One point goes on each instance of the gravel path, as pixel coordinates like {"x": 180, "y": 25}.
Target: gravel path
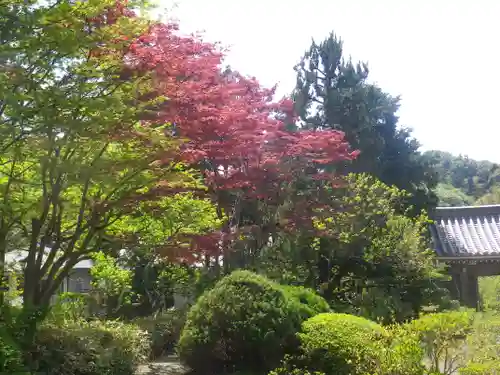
{"x": 165, "y": 366}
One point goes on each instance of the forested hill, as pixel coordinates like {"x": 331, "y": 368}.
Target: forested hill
{"x": 464, "y": 181}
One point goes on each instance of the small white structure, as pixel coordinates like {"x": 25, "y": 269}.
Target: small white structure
{"x": 78, "y": 281}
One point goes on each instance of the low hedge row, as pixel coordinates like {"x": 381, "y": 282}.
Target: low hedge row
{"x": 90, "y": 348}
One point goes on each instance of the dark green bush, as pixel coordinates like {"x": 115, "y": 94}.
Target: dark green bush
{"x": 11, "y": 353}
{"x": 245, "y": 322}
{"x": 308, "y": 302}
{"x": 164, "y": 331}
{"x": 11, "y": 360}
{"x": 341, "y": 344}
{"x": 90, "y": 348}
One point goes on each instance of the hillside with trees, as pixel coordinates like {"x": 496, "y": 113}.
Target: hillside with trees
{"x": 464, "y": 181}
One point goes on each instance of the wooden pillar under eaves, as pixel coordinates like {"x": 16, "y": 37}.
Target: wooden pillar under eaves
{"x": 469, "y": 289}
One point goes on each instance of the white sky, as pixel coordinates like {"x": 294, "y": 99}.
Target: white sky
{"x": 440, "y": 55}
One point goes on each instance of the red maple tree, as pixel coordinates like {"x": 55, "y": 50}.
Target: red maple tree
{"x": 235, "y": 133}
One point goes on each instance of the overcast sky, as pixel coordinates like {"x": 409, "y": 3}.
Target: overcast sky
{"x": 440, "y": 56}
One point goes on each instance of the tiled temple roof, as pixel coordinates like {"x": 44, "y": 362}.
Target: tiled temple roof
{"x": 471, "y": 232}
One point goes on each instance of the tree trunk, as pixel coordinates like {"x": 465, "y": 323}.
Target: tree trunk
{"x": 24, "y": 331}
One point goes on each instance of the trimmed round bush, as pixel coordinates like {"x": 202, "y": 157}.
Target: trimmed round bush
{"x": 341, "y": 344}
{"x": 245, "y": 322}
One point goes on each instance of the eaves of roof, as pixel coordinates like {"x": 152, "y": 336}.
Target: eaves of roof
{"x": 471, "y": 232}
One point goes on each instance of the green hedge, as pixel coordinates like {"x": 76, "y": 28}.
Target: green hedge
{"x": 90, "y": 348}
{"x": 341, "y": 344}
{"x": 307, "y": 301}
{"x": 245, "y": 322}
{"x": 488, "y": 368}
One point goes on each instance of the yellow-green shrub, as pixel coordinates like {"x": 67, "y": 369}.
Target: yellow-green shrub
{"x": 401, "y": 353}
{"x": 483, "y": 347}
{"x": 485, "y": 368}
{"x": 341, "y": 344}
{"x": 443, "y": 338}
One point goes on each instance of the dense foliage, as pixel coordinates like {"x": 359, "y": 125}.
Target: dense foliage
{"x": 454, "y": 342}
{"x": 111, "y": 283}
{"x": 365, "y": 258}
{"x": 164, "y": 330}
{"x": 334, "y": 93}
{"x": 127, "y": 113}
{"x": 489, "y": 291}
{"x": 11, "y": 357}
{"x": 443, "y": 337}
{"x": 345, "y": 344}
{"x": 126, "y": 143}
{"x": 341, "y": 344}
{"x": 93, "y": 348}
{"x": 244, "y": 322}
{"x": 305, "y": 300}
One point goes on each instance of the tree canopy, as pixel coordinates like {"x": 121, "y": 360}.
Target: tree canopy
{"x": 464, "y": 181}
{"x": 106, "y": 116}
{"x": 333, "y": 92}
{"x": 124, "y": 138}
{"x": 130, "y": 147}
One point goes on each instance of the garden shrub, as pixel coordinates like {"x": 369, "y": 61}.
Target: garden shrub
{"x": 341, "y": 344}
{"x": 245, "y": 322}
{"x": 69, "y": 307}
{"x": 443, "y": 337}
{"x": 334, "y": 344}
{"x": 486, "y": 368}
{"x": 90, "y": 348}
{"x": 401, "y": 352}
{"x": 309, "y": 303}
{"x": 164, "y": 330}
{"x": 483, "y": 346}
{"x": 11, "y": 360}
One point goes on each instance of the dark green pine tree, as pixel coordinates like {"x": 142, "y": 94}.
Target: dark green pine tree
{"x": 333, "y": 93}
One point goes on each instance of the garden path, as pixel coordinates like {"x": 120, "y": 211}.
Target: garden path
{"x": 163, "y": 366}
